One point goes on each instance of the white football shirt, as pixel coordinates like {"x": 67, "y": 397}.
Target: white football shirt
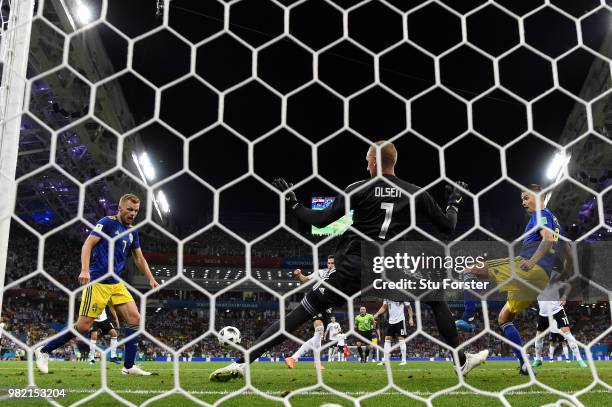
{"x": 549, "y": 299}
{"x": 396, "y": 311}
{"x": 333, "y": 329}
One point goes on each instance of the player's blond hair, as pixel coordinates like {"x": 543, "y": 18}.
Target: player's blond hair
{"x": 388, "y": 153}
{"x": 129, "y": 197}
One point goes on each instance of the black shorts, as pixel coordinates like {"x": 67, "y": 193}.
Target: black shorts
{"x": 560, "y": 316}
{"x": 322, "y": 298}
{"x": 322, "y": 316}
{"x": 365, "y": 334}
{"x": 105, "y": 326}
{"x": 395, "y": 330}
{"x": 557, "y": 338}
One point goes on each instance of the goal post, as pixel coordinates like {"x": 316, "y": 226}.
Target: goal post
{"x": 14, "y": 45}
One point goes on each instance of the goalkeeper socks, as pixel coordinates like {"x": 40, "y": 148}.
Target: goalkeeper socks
{"x": 469, "y": 300}
{"x": 511, "y": 333}
{"x": 360, "y": 351}
{"x": 367, "y": 353}
{"x": 58, "y": 342}
{"x": 403, "y": 349}
{"x": 292, "y": 322}
{"x": 387, "y": 351}
{"x": 446, "y": 326}
{"x": 131, "y": 346}
{"x": 566, "y": 352}
{"x": 113, "y": 344}
{"x": 572, "y": 343}
{"x": 539, "y": 345}
{"x": 92, "y": 350}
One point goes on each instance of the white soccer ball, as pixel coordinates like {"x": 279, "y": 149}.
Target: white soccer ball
{"x": 229, "y": 334}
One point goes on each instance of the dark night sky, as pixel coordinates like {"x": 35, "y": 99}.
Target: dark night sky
{"x": 218, "y": 156}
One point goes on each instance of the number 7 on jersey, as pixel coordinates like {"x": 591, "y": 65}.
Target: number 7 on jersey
{"x": 388, "y": 208}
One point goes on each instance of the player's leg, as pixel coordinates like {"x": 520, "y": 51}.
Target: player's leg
{"x": 552, "y": 346}
{"x": 470, "y": 301}
{"x": 539, "y": 345}
{"x": 127, "y": 310}
{"x": 368, "y": 349}
{"x": 539, "y": 342}
{"x": 311, "y": 344}
{"x": 314, "y": 302}
{"x": 113, "y": 344}
{"x": 386, "y": 349}
{"x": 565, "y": 351}
{"x": 93, "y": 339}
{"x": 565, "y": 331}
{"x": 359, "y": 350}
{"x": 448, "y": 330}
{"x": 402, "y": 345}
{"x": 509, "y": 330}
{"x": 95, "y": 294}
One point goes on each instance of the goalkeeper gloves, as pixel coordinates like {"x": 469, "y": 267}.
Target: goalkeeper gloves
{"x": 454, "y": 195}
{"x": 283, "y": 186}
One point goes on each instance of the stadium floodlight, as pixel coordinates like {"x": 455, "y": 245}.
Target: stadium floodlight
{"x": 83, "y": 13}
{"x": 144, "y": 166}
{"x": 163, "y": 202}
{"x": 556, "y": 165}
{"x": 147, "y": 166}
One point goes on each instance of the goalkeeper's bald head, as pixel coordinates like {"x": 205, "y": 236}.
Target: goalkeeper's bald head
{"x": 388, "y": 158}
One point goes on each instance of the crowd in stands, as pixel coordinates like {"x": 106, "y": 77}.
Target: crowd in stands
{"x": 31, "y": 315}
{"x": 32, "y": 320}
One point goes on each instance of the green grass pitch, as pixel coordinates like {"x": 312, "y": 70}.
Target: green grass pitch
{"x": 355, "y": 379}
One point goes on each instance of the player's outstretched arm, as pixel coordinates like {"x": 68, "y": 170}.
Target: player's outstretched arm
{"x": 380, "y": 311}
{"x": 88, "y": 246}
{"x": 301, "y": 277}
{"x": 142, "y": 265}
{"x": 318, "y": 218}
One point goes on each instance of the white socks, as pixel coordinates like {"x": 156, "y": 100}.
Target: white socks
{"x": 92, "y": 350}
{"x": 311, "y": 344}
{"x": 113, "y": 344}
{"x": 387, "y": 350}
{"x": 565, "y": 352}
{"x": 572, "y": 343}
{"x": 539, "y": 345}
{"x": 551, "y": 352}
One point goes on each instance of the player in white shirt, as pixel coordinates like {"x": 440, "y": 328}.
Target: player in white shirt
{"x": 105, "y": 325}
{"x": 396, "y": 326}
{"x": 319, "y": 320}
{"x": 341, "y": 337}
{"x": 551, "y": 304}
{"x": 333, "y": 329}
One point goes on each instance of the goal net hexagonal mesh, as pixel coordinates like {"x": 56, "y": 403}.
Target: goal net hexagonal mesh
{"x": 197, "y": 106}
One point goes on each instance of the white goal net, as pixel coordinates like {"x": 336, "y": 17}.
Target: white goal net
{"x": 197, "y": 106}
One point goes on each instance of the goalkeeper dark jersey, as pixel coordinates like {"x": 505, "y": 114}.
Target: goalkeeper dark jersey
{"x": 381, "y": 210}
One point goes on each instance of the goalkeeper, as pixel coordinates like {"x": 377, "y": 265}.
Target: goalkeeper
{"x": 381, "y": 211}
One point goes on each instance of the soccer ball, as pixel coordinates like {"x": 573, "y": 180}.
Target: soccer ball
{"x": 229, "y": 334}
